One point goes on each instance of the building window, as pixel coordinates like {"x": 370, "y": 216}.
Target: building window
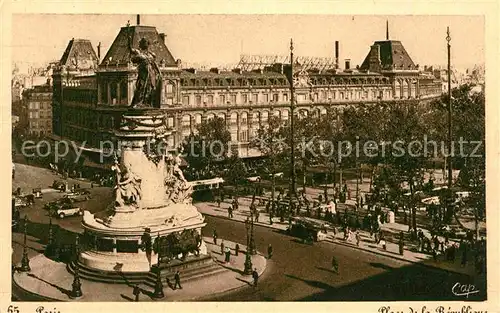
{"x": 169, "y": 88}
{"x": 222, "y": 99}
{"x": 244, "y": 135}
{"x": 198, "y": 100}
{"x": 285, "y": 97}
{"x": 243, "y": 118}
{"x": 255, "y": 98}
{"x": 210, "y": 99}
{"x": 233, "y": 99}
{"x": 114, "y": 93}
{"x": 245, "y": 98}
{"x": 275, "y": 97}
{"x": 123, "y": 93}
{"x": 266, "y": 98}
{"x": 341, "y": 95}
{"x": 185, "y": 100}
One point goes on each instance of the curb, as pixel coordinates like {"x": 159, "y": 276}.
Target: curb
{"x": 358, "y": 248}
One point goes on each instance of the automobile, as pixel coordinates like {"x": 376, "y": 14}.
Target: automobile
{"x": 23, "y": 201}
{"x": 78, "y": 196}
{"x": 67, "y": 210}
{"x": 37, "y": 192}
{"x": 59, "y": 185}
{"x": 253, "y": 179}
{"x": 16, "y": 216}
{"x": 308, "y": 229}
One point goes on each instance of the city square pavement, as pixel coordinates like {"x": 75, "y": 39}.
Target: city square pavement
{"x": 50, "y": 281}
{"x": 297, "y": 271}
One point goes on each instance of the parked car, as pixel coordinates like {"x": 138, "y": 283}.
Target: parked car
{"x": 67, "y": 210}
{"x": 16, "y": 217}
{"x": 23, "y": 201}
{"x": 59, "y": 185}
{"x": 78, "y": 196}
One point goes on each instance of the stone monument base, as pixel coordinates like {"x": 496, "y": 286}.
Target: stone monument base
{"x": 116, "y": 241}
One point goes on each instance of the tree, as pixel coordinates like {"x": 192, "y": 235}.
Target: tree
{"x": 236, "y": 170}
{"x": 405, "y": 126}
{"x": 207, "y": 146}
{"x": 271, "y": 143}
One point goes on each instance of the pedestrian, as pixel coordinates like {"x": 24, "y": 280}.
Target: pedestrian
{"x": 218, "y": 201}
{"x": 136, "y": 292}
{"x": 230, "y": 211}
{"x": 237, "y": 249}
{"x": 271, "y": 217}
{"x": 269, "y": 251}
{"x": 91, "y": 184}
{"x": 228, "y": 255}
{"x": 177, "y": 278}
{"x": 464, "y": 255}
{"x": 255, "y": 276}
{"x": 214, "y": 236}
{"x": 358, "y": 238}
{"x": 147, "y": 244}
{"x": 257, "y": 215}
{"x": 401, "y": 243}
{"x": 335, "y": 265}
{"x": 222, "y": 247}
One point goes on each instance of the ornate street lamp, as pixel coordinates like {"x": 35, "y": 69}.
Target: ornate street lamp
{"x": 292, "y": 129}
{"x": 252, "y": 240}
{"x": 450, "y": 169}
{"x": 49, "y": 249}
{"x": 25, "y": 262}
{"x": 248, "y": 259}
{"x": 76, "y": 290}
{"x": 158, "y": 293}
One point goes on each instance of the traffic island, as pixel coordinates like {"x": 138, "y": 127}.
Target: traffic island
{"x": 49, "y": 280}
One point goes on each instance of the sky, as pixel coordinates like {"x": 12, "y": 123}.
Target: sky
{"x": 221, "y": 39}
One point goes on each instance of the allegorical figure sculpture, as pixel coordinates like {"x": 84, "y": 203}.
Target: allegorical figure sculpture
{"x": 178, "y": 188}
{"x": 127, "y": 188}
{"x": 148, "y": 86}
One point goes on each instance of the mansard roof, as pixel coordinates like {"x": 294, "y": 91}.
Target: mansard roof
{"x": 393, "y": 56}
{"x": 79, "y": 54}
{"x": 119, "y": 51}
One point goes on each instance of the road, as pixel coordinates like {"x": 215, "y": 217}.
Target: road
{"x": 296, "y": 272}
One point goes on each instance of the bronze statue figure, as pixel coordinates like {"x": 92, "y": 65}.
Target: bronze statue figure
{"x": 148, "y": 86}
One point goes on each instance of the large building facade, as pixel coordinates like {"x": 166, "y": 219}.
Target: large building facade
{"x": 90, "y": 98}
{"x": 38, "y": 101}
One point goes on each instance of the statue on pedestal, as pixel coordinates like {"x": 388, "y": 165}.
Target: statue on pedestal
{"x": 127, "y": 188}
{"x": 148, "y": 85}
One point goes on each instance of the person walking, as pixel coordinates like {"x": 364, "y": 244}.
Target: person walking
{"x": 177, "y": 280}
{"x": 214, "y": 236}
{"x": 257, "y": 215}
{"x": 136, "y": 292}
{"x": 228, "y": 255}
{"x": 358, "y": 238}
{"x": 335, "y": 265}
{"x": 147, "y": 244}
{"x": 269, "y": 251}
{"x": 218, "y": 201}
{"x": 222, "y": 247}
{"x": 230, "y": 211}
{"x": 237, "y": 249}
{"x": 401, "y": 243}
{"x": 255, "y": 276}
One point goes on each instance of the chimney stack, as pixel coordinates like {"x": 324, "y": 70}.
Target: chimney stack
{"x": 162, "y": 36}
{"x": 347, "y": 64}
{"x": 99, "y": 52}
{"x": 138, "y": 19}
{"x": 336, "y": 54}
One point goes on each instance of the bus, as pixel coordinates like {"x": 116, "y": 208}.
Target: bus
{"x": 203, "y": 190}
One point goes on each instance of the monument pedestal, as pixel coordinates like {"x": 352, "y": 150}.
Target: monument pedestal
{"x": 152, "y": 203}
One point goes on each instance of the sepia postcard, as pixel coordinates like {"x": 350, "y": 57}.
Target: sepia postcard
{"x": 224, "y": 154}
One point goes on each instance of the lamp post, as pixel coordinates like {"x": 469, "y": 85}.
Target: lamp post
{"x": 252, "y": 240}
{"x": 158, "y": 293}
{"x": 76, "y": 290}
{"x": 248, "y": 259}
{"x": 450, "y": 169}
{"x": 25, "y": 262}
{"x": 292, "y": 126}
